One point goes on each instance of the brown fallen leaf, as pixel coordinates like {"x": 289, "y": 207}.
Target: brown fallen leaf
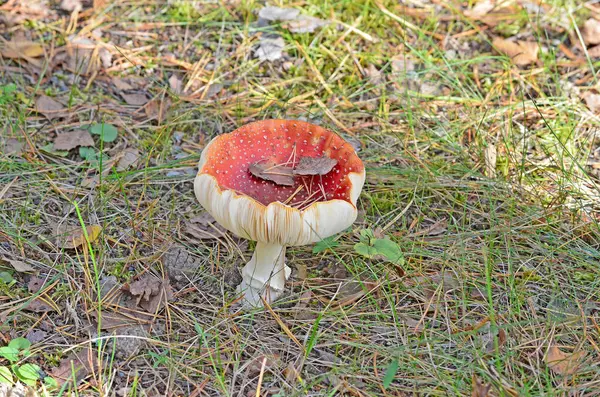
{"x": 592, "y": 101}
{"x": 76, "y": 365}
{"x": 48, "y": 106}
{"x": 72, "y": 139}
{"x": 305, "y": 24}
{"x": 128, "y": 159}
{"x": 157, "y": 109}
{"x": 122, "y": 84}
{"x": 176, "y": 84}
{"x": 85, "y": 56}
{"x": 315, "y": 166}
{"x": 479, "y": 389}
{"x": 21, "y": 49}
{"x": 39, "y": 306}
{"x": 19, "y": 266}
{"x": 135, "y": 99}
{"x": 591, "y": 31}
{"x": 564, "y": 363}
{"x": 71, "y": 5}
{"x": 73, "y": 237}
{"x": 522, "y": 53}
{"x": 269, "y": 171}
{"x": 481, "y": 8}
{"x": 35, "y": 284}
{"x": 12, "y": 147}
{"x": 151, "y": 293}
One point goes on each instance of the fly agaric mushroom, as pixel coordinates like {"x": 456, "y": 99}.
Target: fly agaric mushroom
{"x": 279, "y": 207}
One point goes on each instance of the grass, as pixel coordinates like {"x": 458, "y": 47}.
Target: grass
{"x": 500, "y": 265}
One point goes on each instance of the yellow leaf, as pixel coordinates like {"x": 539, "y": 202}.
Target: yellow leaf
{"x": 22, "y": 49}
{"x": 75, "y": 237}
{"x": 564, "y": 363}
{"x": 520, "y": 52}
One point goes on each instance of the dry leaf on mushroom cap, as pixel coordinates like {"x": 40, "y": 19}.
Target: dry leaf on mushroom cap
{"x": 269, "y": 171}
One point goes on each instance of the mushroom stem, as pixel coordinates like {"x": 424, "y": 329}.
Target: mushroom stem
{"x": 265, "y": 274}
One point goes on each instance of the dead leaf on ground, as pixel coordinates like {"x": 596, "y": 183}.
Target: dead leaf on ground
{"x": 521, "y": 53}
{"x": 35, "y": 284}
{"x": 121, "y": 84}
{"x": 205, "y": 232}
{"x": 72, "y": 237}
{"x": 80, "y": 364}
{"x": 72, "y": 139}
{"x": 128, "y": 159}
{"x": 564, "y": 363}
{"x": 435, "y": 229}
{"x": 592, "y": 101}
{"x": 85, "y": 56}
{"x": 176, "y": 84}
{"x": 269, "y": 48}
{"x": 48, "y": 106}
{"x": 269, "y": 171}
{"x": 19, "y": 266}
{"x": 480, "y": 389}
{"x": 12, "y": 147}
{"x": 271, "y": 13}
{"x": 39, "y": 306}
{"x": 71, "y": 5}
{"x": 151, "y": 293}
{"x": 591, "y": 31}
{"x": 18, "y": 48}
{"x": 315, "y": 166}
{"x": 402, "y": 64}
{"x": 135, "y": 99}
{"x": 305, "y": 24}
{"x": 157, "y": 109}
{"x": 374, "y": 75}
{"x": 481, "y": 8}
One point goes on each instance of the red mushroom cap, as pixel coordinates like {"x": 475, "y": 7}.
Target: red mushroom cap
{"x": 282, "y": 142}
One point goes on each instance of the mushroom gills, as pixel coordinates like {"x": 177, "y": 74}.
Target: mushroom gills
{"x": 265, "y": 274}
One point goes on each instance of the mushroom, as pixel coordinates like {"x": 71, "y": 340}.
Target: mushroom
{"x": 307, "y": 209}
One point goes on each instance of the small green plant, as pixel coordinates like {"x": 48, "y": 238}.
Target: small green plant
{"x": 16, "y": 351}
{"x": 107, "y": 132}
{"x": 324, "y": 245}
{"x": 372, "y": 247}
{"x": 6, "y": 93}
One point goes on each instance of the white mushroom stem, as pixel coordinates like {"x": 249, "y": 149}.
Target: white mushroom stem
{"x": 265, "y": 274}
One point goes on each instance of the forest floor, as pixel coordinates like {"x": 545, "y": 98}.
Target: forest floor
{"x": 477, "y": 123}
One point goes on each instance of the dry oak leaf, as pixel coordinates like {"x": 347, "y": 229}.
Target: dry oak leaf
{"x": 152, "y": 293}
{"x": 48, "y": 106}
{"x": 75, "y": 237}
{"x": 564, "y": 363}
{"x": 72, "y": 139}
{"x": 480, "y": 389}
{"x": 591, "y": 31}
{"x": 315, "y": 166}
{"x": 521, "y": 53}
{"x": 21, "y": 49}
{"x": 269, "y": 171}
